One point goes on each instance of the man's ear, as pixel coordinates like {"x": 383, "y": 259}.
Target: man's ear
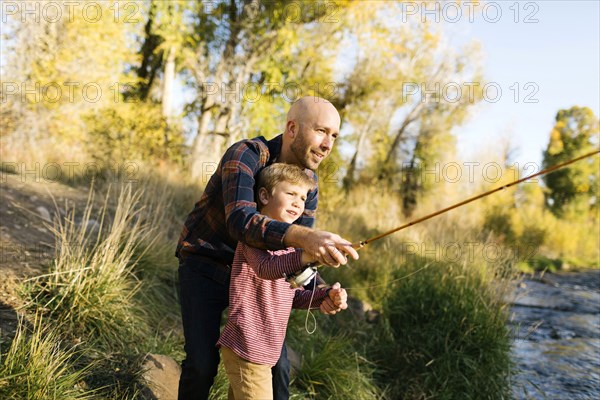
{"x": 291, "y": 128}
{"x": 263, "y": 196}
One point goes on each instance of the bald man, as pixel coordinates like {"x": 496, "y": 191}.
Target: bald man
{"x": 226, "y": 213}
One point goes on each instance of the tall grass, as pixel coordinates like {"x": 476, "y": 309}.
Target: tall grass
{"x": 37, "y": 366}
{"x": 443, "y": 335}
{"x": 89, "y": 290}
{"x": 219, "y": 389}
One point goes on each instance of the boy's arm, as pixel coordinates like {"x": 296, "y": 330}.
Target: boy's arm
{"x": 274, "y": 266}
{"x": 302, "y": 298}
{"x": 335, "y": 296}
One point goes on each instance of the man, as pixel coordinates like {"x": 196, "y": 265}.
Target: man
{"x": 226, "y": 214}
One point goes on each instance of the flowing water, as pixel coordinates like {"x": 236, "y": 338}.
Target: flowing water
{"x": 556, "y": 326}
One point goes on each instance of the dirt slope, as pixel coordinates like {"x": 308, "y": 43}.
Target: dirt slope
{"x": 27, "y": 207}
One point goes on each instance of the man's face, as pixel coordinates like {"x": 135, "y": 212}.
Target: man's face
{"x": 286, "y": 204}
{"x": 314, "y": 139}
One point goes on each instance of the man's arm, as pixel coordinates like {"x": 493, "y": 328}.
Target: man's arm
{"x": 240, "y": 164}
{"x": 325, "y": 247}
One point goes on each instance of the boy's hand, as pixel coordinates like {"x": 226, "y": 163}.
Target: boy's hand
{"x": 336, "y": 301}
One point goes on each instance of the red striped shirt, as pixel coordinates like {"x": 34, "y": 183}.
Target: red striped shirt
{"x": 260, "y": 302}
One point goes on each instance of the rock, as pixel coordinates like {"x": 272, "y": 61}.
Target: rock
{"x": 372, "y": 316}
{"x": 44, "y": 213}
{"x": 161, "y": 374}
{"x": 362, "y": 309}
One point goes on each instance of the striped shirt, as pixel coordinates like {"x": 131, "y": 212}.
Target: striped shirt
{"x": 260, "y": 302}
{"x": 226, "y": 213}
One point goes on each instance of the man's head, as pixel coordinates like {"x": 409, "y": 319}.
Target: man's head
{"x": 282, "y": 190}
{"x": 311, "y": 128}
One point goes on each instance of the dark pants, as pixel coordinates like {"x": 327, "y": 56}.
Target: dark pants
{"x": 204, "y": 294}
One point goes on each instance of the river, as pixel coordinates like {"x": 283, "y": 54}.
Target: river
{"x": 555, "y": 319}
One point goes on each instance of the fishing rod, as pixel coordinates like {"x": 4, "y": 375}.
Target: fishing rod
{"x": 553, "y": 168}
{"x": 304, "y": 276}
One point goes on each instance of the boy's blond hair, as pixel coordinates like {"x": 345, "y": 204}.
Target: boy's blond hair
{"x": 281, "y": 172}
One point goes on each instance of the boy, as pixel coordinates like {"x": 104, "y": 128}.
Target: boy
{"x": 260, "y": 300}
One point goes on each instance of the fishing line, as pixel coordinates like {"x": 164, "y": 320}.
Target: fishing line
{"x": 392, "y": 281}
{"x": 310, "y": 312}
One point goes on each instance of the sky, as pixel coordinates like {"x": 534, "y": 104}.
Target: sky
{"x": 554, "y": 60}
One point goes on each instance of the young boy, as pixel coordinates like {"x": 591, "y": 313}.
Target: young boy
{"x": 260, "y": 300}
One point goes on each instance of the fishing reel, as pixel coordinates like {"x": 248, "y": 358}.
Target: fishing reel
{"x": 302, "y": 277}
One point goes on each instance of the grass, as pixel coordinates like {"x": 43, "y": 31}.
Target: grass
{"x": 444, "y": 335}
{"x": 219, "y": 389}
{"x": 90, "y": 287}
{"x": 441, "y": 334}
{"x": 115, "y": 288}
{"x": 332, "y": 369}
{"x": 112, "y": 283}
{"x": 37, "y": 365}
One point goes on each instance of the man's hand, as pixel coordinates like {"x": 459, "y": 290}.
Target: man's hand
{"x": 321, "y": 246}
{"x": 336, "y": 301}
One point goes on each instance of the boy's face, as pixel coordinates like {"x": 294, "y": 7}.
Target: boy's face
{"x": 286, "y": 204}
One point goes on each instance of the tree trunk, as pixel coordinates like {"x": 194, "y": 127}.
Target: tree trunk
{"x": 349, "y": 179}
{"x": 151, "y": 61}
{"x": 412, "y": 115}
{"x": 169, "y": 78}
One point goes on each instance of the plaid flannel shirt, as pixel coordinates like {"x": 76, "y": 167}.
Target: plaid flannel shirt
{"x": 226, "y": 213}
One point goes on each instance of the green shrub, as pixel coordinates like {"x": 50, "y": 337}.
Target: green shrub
{"x": 332, "y": 368}
{"x": 443, "y": 335}
{"x": 119, "y": 134}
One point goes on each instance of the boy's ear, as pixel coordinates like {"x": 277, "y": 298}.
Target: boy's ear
{"x": 263, "y": 196}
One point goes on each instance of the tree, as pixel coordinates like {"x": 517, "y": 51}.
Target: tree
{"x": 399, "y": 101}
{"x": 243, "y": 45}
{"x": 574, "y": 134}
{"x": 165, "y": 33}
{"x": 65, "y": 68}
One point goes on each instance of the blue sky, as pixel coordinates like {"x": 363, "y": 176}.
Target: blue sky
{"x": 559, "y": 55}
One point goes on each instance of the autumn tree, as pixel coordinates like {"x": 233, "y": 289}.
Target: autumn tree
{"x": 62, "y": 66}
{"x": 66, "y": 73}
{"x": 574, "y": 134}
{"x": 403, "y": 99}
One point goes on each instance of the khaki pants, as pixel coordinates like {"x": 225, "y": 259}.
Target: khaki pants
{"x": 247, "y": 381}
